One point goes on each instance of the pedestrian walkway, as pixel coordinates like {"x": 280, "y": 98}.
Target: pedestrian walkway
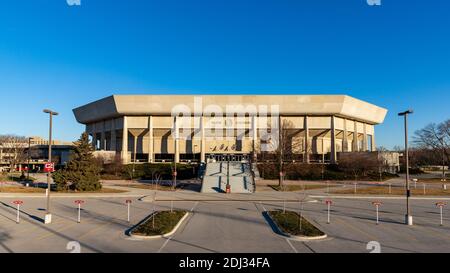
{"x": 237, "y": 174}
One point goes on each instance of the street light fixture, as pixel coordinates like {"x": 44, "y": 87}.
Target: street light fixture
{"x": 48, "y": 215}
{"x": 408, "y": 216}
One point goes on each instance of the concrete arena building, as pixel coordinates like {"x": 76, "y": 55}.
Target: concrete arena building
{"x": 140, "y": 128}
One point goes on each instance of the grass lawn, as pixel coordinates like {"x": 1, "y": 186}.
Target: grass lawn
{"x": 102, "y": 190}
{"x": 289, "y": 222}
{"x": 394, "y": 191}
{"x": 19, "y": 189}
{"x": 164, "y": 222}
{"x": 148, "y": 187}
{"x": 300, "y": 187}
{"x": 430, "y": 180}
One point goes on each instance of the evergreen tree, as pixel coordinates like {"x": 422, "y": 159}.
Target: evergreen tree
{"x": 82, "y": 172}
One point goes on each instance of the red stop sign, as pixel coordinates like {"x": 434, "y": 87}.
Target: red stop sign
{"x": 18, "y": 202}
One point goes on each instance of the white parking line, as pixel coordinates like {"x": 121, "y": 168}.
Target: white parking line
{"x": 262, "y": 206}
{"x": 168, "y": 239}
{"x": 290, "y": 244}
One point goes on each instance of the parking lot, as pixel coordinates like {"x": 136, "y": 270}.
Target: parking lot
{"x": 234, "y": 225}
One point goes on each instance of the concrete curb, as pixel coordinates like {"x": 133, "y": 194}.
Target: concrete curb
{"x": 295, "y": 237}
{"x": 177, "y": 226}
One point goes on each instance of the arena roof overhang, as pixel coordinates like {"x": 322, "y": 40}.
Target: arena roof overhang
{"x": 289, "y": 105}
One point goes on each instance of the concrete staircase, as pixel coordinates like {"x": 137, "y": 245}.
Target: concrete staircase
{"x": 216, "y": 173}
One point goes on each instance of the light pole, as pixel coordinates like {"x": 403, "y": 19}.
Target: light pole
{"x": 408, "y": 216}
{"x": 48, "y": 215}
{"x": 443, "y": 162}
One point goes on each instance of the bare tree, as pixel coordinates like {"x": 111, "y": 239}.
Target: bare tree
{"x": 360, "y": 164}
{"x": 435, "y": 137}
{"x": 13, "y": 149}
{"x": 285, "y": 147}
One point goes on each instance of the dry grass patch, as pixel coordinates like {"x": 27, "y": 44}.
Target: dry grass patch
{"x": 292, "y": 223}
{"x": 378, "y": 190}
{"x": 19, "y": 189}
{"x": 160, "y": 223}
{"x": 300, "y": 187}
{"x": 148, "y": 187}
{"x": 102, "y": 190}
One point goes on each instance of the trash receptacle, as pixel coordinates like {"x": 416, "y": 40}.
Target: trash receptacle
{"x": 228, "y": 188}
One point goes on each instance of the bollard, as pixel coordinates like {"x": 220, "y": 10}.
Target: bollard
{"x": 441, "y": 205}
{"x": 424, "y": 191}
{"x": 18, "y": 203}
{"x": 128, "y": 202}
{"x": 355, "y": 187}
{"x": 377, "y": 204}
{"x": 328, "y": 202}
{"x": 79, "y": 202}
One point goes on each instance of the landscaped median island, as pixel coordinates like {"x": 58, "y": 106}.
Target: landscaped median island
{"x": 161, "y": 223}
{"x": 291, "y": 224}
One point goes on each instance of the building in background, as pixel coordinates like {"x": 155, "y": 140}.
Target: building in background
{"x": 17, "y": 153}
{"x": 143, "y": 128}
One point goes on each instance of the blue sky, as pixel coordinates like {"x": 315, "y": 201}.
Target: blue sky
{"x": 57, "y": 56}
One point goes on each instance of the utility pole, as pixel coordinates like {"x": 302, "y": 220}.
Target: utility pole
{"x": 48, "y": 215}
{"x": 408, "y": 216}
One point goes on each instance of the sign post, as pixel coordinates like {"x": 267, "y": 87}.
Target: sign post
{"x": 377, "y": 204}
{"x": 328, "y": 202}
{"x": 440, "y": 205}
{"x": 18, "y": 203}
{"x": 355, "y": 184}
{"x": 128, "y": 201}
{"x": 79, "y": 202}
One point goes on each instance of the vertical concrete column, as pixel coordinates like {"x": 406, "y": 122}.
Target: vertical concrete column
{"x": 124, "y": 151}
{"x": 345, "y": 140}
{"x": 355, "y": 137}
{"x": 177, "y": 141}
{"x": 103, "y": 138}
{"x": 203, "y": 140}
{"x": 365, "y": 147}
{"x": 306, "y": 141}
{"x": 373, "y": 148}
{"x": 150, "y": 140}
{"x": 94, "y": 136}
{"x": 113, "y": 143}
{"x": 333, "y": 155}
{"x": 254, "y": 136}
{"x": 135, "y": 138}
